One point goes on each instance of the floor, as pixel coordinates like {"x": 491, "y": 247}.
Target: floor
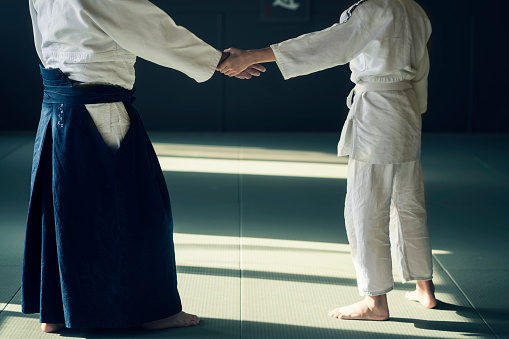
{"x": 261, "y": 246}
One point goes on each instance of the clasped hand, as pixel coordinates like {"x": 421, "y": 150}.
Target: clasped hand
{"x": 239, "y": 64}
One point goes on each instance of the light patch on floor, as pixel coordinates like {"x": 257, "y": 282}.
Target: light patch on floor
{"x": 254, "y": 167}
{"x": 14, "y": 308}
{"x": 242, "y": 152}
{"x": 176, "y": 157}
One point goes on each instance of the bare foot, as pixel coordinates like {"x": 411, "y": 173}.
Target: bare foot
{"x": 424, "y": 293}
{"x": 50, "y": 328}
{"x": 181, "y": 319}
{"x": 371, "y": 308}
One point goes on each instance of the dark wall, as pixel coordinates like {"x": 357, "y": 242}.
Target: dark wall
{"x": 466, "y": 86}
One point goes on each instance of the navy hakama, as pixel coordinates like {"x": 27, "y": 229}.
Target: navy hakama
{"x": 99, "y": 247}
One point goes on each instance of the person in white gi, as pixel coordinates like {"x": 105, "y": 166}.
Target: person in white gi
{"x": 97, "y": 42}
{"x": 385, "y": 43}
{"x": 106, "y": 38}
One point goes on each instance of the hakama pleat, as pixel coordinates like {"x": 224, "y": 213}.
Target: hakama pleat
{"x": 99, "y": 249}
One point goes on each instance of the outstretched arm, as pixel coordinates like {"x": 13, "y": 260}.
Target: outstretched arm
{"x": 145, "y": 30}
{"x": 241, "y": 60}
{"x": 312, "y": 52}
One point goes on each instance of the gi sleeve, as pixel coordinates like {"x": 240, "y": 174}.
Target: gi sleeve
{"x": 145, "y": 30}
{"x": 420, "y": 83}
{"x": 37, "y": 32}
{"x": 316, "y": 51}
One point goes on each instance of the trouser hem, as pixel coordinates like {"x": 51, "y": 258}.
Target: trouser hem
{"x": 415, "y": 279}
{"x": 372, "y": 294}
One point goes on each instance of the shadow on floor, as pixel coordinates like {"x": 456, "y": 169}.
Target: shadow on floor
{"x": 221, "y": 328}
{"x": 472, "y": 328}
{"x": 222, "y": 247}
{"x": 265, "y": 275}
{"x": 228, "y": 272}
{"x": 469, "y": 312}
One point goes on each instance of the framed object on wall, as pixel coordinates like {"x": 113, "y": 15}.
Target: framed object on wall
{"x": 285, "y": 10}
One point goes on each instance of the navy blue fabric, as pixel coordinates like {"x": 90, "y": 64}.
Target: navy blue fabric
{"x": 99, "y": 247}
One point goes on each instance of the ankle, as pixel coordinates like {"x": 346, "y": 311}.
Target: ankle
{"x": 424, "y": 286}
{"x": 377, "y": 301}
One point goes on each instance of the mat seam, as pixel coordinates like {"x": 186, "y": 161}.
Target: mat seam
{"x": 14, "y": 150}
{"x": 239, "y": 197}
{"x": 465, "y": 295}
{"x": 7, "y": 303}
{"x": 488, "y": 166}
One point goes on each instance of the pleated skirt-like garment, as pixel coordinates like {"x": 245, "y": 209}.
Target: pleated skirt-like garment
{"x": 99, "y": 249}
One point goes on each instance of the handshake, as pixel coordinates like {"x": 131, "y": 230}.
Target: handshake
{"x": 244, "y": 64}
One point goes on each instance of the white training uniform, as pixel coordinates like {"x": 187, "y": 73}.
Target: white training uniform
{"x": 97, "y": 42}
{"x": 385, "y": 43}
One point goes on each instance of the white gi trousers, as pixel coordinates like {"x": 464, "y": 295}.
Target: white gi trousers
{"x": 112, "y": 122}
{"x": 385, "y": 205}
{"x": 385, "y": 208}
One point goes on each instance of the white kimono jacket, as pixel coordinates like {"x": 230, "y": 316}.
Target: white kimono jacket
{"x": 97, "y": 41}
{"x": 385, "y": 43}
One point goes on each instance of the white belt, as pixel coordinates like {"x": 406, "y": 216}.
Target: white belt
{"x": 377, "y": 87}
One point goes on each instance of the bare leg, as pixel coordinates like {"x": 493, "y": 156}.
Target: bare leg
{"x": 424, "y": 293}
{"x": 181, "y": 319}
{"x": 371, "y": 308}
{"x": 50, "y": 328}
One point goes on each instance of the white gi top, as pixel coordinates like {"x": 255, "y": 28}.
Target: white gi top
{"x": 97, "y": 41}
{"x": 385, "y": 43}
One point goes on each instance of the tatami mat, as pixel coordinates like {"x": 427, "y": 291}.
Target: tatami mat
{"x": 261, "y": 247}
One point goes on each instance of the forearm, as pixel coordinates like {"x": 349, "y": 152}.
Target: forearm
{"x": 258, "y": 56}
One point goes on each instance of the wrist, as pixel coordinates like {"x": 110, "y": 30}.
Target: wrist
{"x": 224, "y": 56}
{"x": 252, "y": 56}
